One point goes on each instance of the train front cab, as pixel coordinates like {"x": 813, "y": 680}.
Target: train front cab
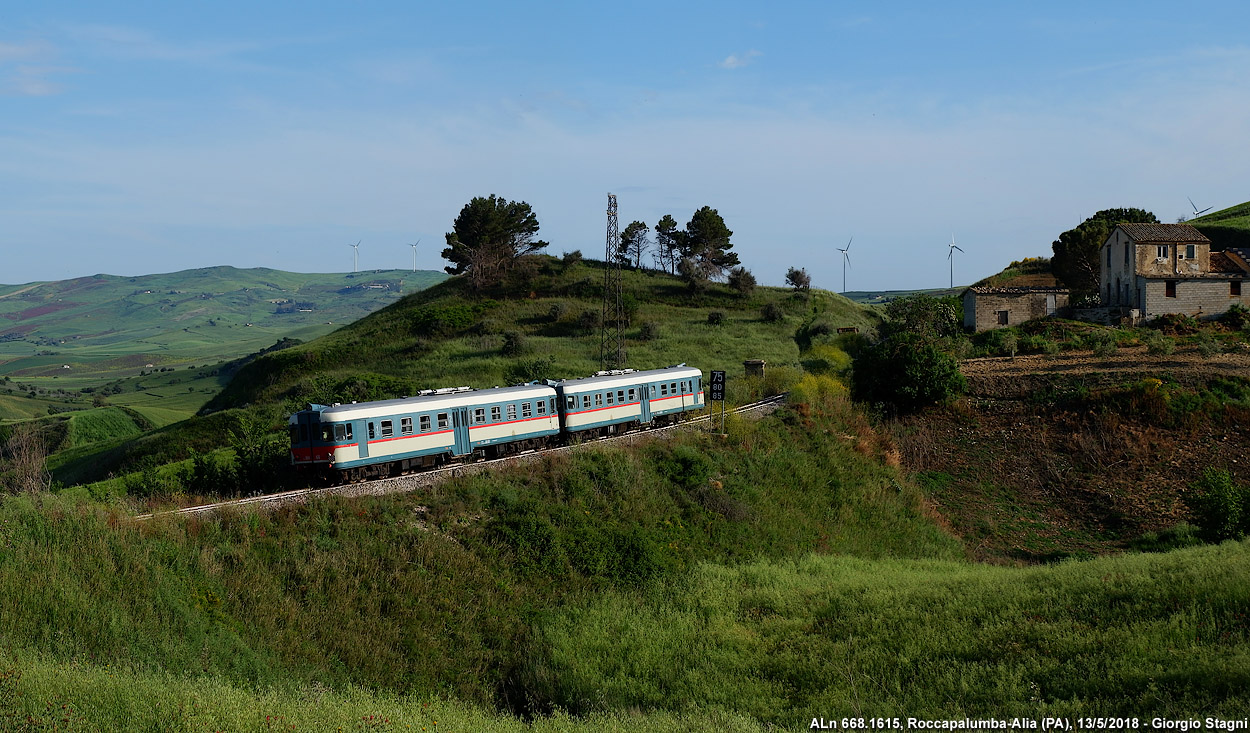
{"x": 310, "y": 446}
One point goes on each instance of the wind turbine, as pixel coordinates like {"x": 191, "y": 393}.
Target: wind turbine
{"x": 414, "y": 254}
{"x": 355, "y": 256}
{"x": 1196, "y": 212}
{"x": 846, "y": 260}
{"x": 950, "y": 255}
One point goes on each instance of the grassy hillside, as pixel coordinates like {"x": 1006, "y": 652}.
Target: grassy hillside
{"x": 1031, "y": 272}
{"x": 105, "y": 326}
{"x": 442, "y": 337}
{"x": 1226, "y": 228}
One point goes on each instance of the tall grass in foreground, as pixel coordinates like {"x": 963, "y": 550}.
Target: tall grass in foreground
{"x": 41, "y": 694}
{"x": 1134, "y": 635}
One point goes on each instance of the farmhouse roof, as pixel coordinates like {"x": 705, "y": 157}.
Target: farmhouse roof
{"x": 1163, "y": 233}
{"x": 1222, "y": 262}
{"x": 986, "y": 290}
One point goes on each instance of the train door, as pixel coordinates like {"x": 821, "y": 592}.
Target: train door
{"x": 460, "y": 424}
{"x": 645, "y": 402}
{"x": 365, "y": 431}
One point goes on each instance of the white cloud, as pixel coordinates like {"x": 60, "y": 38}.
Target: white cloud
{"x": 737, "y": 61}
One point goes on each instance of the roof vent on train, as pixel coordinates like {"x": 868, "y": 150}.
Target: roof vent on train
{"x": 444, "y": 390}
{"x": 614, "y": 372}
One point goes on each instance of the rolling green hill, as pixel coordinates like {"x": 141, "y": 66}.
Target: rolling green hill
{"x": 441, "y": 337}
{"x": 93, "y": 329}
{"x": 1226, "y": 228}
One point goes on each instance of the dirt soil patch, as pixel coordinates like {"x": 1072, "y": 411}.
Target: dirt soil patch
{"x": 1022, "y": 479}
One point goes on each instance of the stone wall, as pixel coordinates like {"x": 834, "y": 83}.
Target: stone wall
{"x": 981, "y": 310}
{"x": 1193, "y": 297}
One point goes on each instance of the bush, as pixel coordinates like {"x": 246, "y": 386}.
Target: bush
{"x": 650, "y": 331}
{"x": 529, "y": 370}
{"x": 1209, "y": 346}
{"x": 906, "y": 373}
{"x": 514, "y": 344}
{"x": 798, "y": 279}
{"x": 1176, "y": 324}
{"x": 1236, "y": 317}
{"x": 1157, "y": 344}
{"x": 1005, "y": 342}
{"x": 558, "y": 311}
{"x": 773, "y": 312}
{"x": 1221, "y": 508}
{"x": 716, "y": 318}
{"x": 741, "y": 281}
{"x": 1102, "y": 343}
{"x": 572, "y": 258}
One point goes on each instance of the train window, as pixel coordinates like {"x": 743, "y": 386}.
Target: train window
{"x": 585, "y": 400}
{"x": 479, "y": 415}
{"x": 425, "y": 423}
{"x": 526, "y": 410}
{"x": 405, "y": 425}
{"x": 620, "y": 396}
{"x": 494, "y": 414}
{"x": 663, "y": 389}
{"x": 571, "y": 402}
{"x": 293, "y": 431}
{"x": 349, "y": 431}
{"x": 672, "y": 387}
{"x": 553, "y": 405}
{"x": 652, "y": 391}
{"x": 610, "y": 398}
{"x": 325, "y": 433}
{"x": 542, "y": 407}
{"x": 511, "y": 412}
{"x": 371, "y": 436}
{"x": 633, "y": 394}
{"x": 303, "y": 433}
{"x": 598, "y": 399}
{"x": 388, "y": 428}
{"x": 442, "y": 420}
{"x": 340, "y": 432}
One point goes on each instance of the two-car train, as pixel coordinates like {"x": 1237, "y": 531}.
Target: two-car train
{"x": 374, "y": 439}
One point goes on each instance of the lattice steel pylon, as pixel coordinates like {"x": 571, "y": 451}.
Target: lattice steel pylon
{"x": 612, "y": 321}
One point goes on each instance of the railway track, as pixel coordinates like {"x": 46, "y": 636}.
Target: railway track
{"x": 424, "y": 479}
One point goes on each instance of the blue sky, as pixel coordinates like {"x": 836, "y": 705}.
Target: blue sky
{"x": 139, "y": 138}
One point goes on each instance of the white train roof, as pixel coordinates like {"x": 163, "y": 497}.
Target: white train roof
{"x": 626, "y": 378}
{"x": 424, "y": 403}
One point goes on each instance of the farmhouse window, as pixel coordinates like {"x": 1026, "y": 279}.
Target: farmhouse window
{"x": 1161, "y": 251}
{"x": 405, "y": 424}
{"x": 442, "y": 420}
{"x": 479, "y": 415}
{"x": 388, "y": 428}
{"x": 1234, "y": 289}
{"x": 1125, "y": 256}
{"x": 511, "y": 412}
{"x": 1108, "y": 255}
{"x": 526, "y": 410}
{"x": 494, "y": 414}
{"x": 425, "y": 423}
{"x": 1002, "y": 317}
{"x": 1169, "y": 288}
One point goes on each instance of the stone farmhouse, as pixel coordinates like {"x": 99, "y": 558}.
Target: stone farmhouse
{"x": 1152, "y": 269}
{"x": 986, "y": 308}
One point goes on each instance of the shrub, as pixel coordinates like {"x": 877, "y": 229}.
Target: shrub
{"x": 572, "y": 258}
{"x": 558, "y": 311}
{"x": 1236, "y": 317}
{"x": 826, "y": 359}
{"x": 1005, "y": 342}
{"x": 716, "y": 318}
{"x": 906, "y": 373}
{"x": 588, "y": 321}
{"x": 773, "y": 312}
{"x": 798, "y": 279}
{"x": 650, "y": 331}
{"x": 1176, "y": 324}
{"x": 1102, "y": 343}
{"x": 1209, "y": 346}
{"x": 1157, "y": 344}
{"x": 741, "y": 281}
{"x": 514, "y": 344}
{"x": 1221, "y": 508}
{"x": 529, "y": 370}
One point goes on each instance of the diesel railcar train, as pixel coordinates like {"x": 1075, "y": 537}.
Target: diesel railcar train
{"x": 374, "y": 439}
